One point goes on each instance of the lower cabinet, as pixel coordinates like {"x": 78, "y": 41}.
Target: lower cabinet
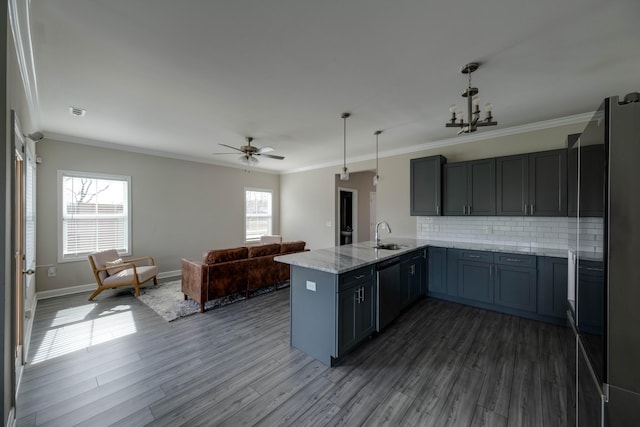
{"x": 552, "y": 286}
{"x": 436, "y": 270}
{"x": 475, "y": 280}
{"x": 515, "y": 287}
{"x": 412, "y": 277}
{"x": 356, "y": 314}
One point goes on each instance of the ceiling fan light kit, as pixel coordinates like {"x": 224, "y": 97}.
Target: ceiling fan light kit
{"x": 473, "y": 107}
{"x": 344, "y": 174}
{"x": 249, "y": 151}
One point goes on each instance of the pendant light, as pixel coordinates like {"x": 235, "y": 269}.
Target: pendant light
{"x": 376, "y": 178}
{"x": 344, "y": 175}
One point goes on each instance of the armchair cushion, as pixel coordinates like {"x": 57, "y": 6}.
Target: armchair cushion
{"x": 126, "y": 276}
{"x": 114, "y": 264}
{"x": 100, "y": 259}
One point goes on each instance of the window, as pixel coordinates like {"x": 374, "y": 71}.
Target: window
{"x": 257, "y": 213}
{"x": 94, "y": 214}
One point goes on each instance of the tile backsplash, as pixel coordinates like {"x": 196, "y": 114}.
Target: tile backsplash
{"x": 528, "y": 232}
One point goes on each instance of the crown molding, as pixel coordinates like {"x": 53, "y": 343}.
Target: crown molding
{"x": 21, "y": 29}
{"x": 514, "y": 130}
{"x": 150, "y": 152}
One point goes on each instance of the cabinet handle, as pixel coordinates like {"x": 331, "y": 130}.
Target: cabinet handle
{"x": 464, "y": 210}
{"x": 491, "y": 270}
{"x": 362, "y": 289}
{"x": 358, "y": 295}
{"x": 531, "y": 209}
{"x": 359, "y": 276}
{"x": 595, "y": 269}
{"x": 473, "y": 256}
{"x": 469, "y": 210}
{"x": 514, "y": 260}
{"x": 437, "y": 210}
{"x": 526, "y": 209}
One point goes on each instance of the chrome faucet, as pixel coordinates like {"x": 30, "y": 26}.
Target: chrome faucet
{"x": 386, "y": 224}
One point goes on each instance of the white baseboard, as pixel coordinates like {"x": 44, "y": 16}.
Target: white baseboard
{"x": 11, "y": 419}
{"x": 92, "y": 286}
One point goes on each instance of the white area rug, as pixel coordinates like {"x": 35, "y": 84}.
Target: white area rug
{"x": 168, "y": 301}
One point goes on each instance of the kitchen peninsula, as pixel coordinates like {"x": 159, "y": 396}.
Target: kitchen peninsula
{"x": 334, "y": 293}
{"x": 337, "y": 301}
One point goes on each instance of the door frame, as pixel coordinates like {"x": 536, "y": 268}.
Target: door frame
{"x": 354, "y": 215}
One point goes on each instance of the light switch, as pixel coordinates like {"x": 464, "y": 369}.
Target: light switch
{"x": 311, "y": 285}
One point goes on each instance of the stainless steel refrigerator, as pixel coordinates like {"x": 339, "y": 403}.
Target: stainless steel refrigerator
{"x": 604, "y": 266}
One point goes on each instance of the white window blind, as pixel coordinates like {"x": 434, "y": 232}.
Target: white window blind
{"x": 258, "y": 213}
{"x": 95, "y": 214}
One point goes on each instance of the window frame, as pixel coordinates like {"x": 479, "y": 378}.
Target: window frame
{"x": 244, "y": 226}
{"x": 92, "y": 175}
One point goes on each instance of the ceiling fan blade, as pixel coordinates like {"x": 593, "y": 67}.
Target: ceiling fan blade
{"x": 271, "y": 156}
{"x": 233, "y": 148}
{"x": 264, "y": 150}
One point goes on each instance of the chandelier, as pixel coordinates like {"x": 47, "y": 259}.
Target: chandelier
{"x": 473, "y": 107}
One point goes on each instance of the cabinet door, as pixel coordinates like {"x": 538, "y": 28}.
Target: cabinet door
{"x": 552, "y": 287}
{"x": 515, "y": 287}
{"x": 475, "y": 280}
{"x": 452, "y": 271}
{"x": 437, "y": 267}
{"x": 455, "y": 189}
{"x": 425, "y": 185}
{"x": 592, "y": 165}
{"x": 347, "y": 328}
{"x": 548, "y": 183}
{"x": 512, "y": 185}
{"x": 366, "y": 311}
{"x": 481, "y": 187}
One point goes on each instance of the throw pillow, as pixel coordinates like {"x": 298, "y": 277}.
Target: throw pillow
{"x": 113, "y": 271}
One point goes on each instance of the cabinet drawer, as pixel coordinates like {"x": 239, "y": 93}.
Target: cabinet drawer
{"x": 476, "y": 256}
{"x": 515, "y": 259}
{"x": 352, "y": 278}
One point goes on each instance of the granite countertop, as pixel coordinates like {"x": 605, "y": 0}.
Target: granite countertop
{"x": 341, "y": 259}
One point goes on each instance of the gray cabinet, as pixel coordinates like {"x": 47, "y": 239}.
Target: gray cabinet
{"x": 515, "y": 281}
{"x": 437, "y": 270}
{"x": 356, "y": 314}
{"x": 475, "y": 276}
{"x": 469, "y": 188}
{"x": 532, "y": 184}
{"x": 356, "y": 307}
{"x": 412, "y": 277}
{"x": 425, "y": 185}
{"x": 552, "y": 287}
{"x": 452, "y": 271}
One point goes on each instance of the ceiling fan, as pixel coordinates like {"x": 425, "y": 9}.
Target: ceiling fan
{"x": 249, "y": 151}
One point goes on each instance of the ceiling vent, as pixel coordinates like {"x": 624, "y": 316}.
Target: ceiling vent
{"x": 78, "y": 112}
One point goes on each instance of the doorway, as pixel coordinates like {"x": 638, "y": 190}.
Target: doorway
{"x": 347, "y": 216}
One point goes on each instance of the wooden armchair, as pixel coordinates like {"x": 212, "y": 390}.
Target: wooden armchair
{"x": 111, "y": 271}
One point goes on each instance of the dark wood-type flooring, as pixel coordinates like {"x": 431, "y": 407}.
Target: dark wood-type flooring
{"x": 116, "y": 362}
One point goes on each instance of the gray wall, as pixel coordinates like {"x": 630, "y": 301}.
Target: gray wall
{"x": 179, "y": 208}
{"x": 306, "y": 192}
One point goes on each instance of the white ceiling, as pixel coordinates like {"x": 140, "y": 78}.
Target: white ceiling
{"x": 180, "y": 77}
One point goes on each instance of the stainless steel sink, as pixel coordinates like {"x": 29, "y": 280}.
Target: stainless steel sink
{"x": 389, "y": 246}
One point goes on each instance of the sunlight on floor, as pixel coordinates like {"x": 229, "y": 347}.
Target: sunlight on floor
{"x": 71, "y": 330}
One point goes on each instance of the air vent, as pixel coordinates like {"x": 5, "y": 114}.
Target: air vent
{"x": 78, "y": 112}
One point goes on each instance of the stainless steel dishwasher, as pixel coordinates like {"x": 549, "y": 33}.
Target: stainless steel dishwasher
{"x": 388, "y": 278}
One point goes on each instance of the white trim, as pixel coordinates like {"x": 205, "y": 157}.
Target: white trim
{"x": 150, "y": 152}
{"x": 11, "y": 419}
{"x": 71, "y": 290}
{"x": 21, "y": 29}
{"x": 62, "y": 173}
{"x": 563, "y": 121}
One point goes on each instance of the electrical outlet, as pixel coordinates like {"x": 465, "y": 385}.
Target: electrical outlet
{"x": 51, "y": 271}
{"x": 311, "y": 285}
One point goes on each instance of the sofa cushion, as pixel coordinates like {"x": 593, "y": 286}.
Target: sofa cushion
{"x": 225, "y": 255}
{"x": 287, "y": 247}
{"x": 263, "y": 250}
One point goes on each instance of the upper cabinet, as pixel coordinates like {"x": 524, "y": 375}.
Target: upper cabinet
{"x": 426, "y": 186}
{"x": 469, "y": 188}
{"x": 592, "y": 160}
{"x": 532, "y": 184}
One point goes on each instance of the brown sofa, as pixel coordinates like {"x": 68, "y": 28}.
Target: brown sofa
{"x": 225, "y": 272}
